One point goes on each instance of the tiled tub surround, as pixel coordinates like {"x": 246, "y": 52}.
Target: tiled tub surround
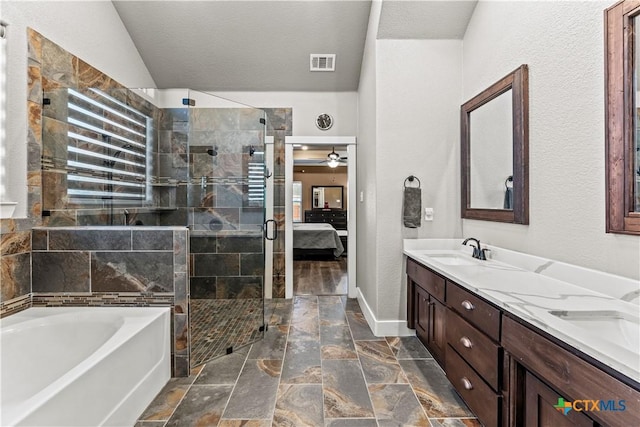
{"x": 121, "y": 266}
{"x": 15, "y": 273}
{"x": 531, "y": 287}
{"x": 56, "y": 363}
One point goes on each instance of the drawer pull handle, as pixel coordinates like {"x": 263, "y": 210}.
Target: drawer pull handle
{"x": 466, "y": 304}
{"x": 466, "y": 383}
{"x": 466, "y": 342}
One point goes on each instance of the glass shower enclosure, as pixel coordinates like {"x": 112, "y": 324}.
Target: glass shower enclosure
{"x": 171, "y": 157}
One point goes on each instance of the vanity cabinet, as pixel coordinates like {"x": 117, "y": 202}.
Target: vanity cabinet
{"x": 425, "y": 308}
{"x": 544, "y": 370}
{"x": 508, "y": 372}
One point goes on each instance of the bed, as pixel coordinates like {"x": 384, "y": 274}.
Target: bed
{"x": 315, "y": 239}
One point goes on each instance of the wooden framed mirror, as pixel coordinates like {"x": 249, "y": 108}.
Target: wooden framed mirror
{"x": 494, "y": 136}
{"x": 327, "y": 196}
{"x": 622, "y": 127}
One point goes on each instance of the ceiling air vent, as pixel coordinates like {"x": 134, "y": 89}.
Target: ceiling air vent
{"x": 323, "y": 62}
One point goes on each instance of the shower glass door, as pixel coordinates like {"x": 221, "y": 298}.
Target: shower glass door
{"x": 226, "y": 199}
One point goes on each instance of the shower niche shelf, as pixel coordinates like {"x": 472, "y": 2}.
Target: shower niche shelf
{"x": 164, "y": 196}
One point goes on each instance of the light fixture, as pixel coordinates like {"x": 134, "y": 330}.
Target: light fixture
{"x": 333, "y": 158}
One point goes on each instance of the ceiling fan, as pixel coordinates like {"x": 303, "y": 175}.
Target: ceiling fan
{"x": 334, "y": 159}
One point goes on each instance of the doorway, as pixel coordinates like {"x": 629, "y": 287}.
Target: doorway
{"x": 320, "y": 210}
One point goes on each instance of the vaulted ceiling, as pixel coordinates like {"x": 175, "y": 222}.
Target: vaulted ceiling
{"x": 264, "y": 45}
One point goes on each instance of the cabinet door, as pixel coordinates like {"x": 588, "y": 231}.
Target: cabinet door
{"x": 437, "y": 337}
{"x": 422, "y": 314}
{"x": 411, "y": 305}
{"x": 540, "y": 411}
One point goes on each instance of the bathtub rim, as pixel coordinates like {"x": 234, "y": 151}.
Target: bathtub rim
{"x": 139, "y": 317}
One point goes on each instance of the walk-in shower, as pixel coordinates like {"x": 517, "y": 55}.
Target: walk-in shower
{"x": 167, "y": 158}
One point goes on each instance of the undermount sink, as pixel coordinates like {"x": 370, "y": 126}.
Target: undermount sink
{"x": 615, "y": 326}
{"x": 450, "y": 258}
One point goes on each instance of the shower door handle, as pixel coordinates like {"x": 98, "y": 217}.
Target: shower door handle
{"x": 275, "y": 229}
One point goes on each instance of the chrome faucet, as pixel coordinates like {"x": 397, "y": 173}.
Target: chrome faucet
{"x": 126, "y": 217}
{"x": 478, "y": 252}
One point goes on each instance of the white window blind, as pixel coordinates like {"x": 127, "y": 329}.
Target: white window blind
{"x": 107, "y": 150}
{"x": 256, "y": 181}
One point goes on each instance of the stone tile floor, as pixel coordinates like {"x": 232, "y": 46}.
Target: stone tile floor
{"x": 318, "y": 365}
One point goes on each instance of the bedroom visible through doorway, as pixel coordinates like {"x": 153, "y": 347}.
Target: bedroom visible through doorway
{"x": 320, "y": 207}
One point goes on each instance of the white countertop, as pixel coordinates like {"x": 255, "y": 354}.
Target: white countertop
{"x": 595, "y": 312}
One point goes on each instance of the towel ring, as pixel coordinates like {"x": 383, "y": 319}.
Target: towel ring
{"x": 509, "y": 179}
{"x": 410, "y": 178}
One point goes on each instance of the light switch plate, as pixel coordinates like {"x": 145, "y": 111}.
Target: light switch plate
{"x": 428, "y": 214}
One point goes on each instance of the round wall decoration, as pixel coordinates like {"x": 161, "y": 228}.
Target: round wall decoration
{"x": 324, "y": 121}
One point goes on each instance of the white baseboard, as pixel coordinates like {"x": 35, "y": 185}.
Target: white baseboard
{"x": 383, "y": 328}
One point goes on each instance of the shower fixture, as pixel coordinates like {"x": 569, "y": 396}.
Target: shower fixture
{"x": 213, "y": 151}
{"x": 117, "y": 154}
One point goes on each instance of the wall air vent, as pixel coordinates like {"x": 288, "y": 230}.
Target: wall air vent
{"x": 322, "y": 62}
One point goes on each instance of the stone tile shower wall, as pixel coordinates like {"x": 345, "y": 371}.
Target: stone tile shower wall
{"x": 15, "y": 234}
{"x": 121, "y": 266}
{"x": 279, "y": 125}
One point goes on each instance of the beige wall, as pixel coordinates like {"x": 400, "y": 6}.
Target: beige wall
{"x": 562, "y": 42}
{"x": 308, "y": 179}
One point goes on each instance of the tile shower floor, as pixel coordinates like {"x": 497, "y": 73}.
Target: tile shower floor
{"x": 318, "y": 365}
{"x": 222, "y": 323}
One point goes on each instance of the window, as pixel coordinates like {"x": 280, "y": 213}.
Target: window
{"x": 107, "y": 150}
{"x": 621, "y": 125}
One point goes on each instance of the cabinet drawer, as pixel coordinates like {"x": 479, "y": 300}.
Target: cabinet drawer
{"x": 484, "y": 403}
{"x": 426, "y": 279}
{"x": 476, "y": 348}
{"x": 570, "y": 375}
{"x": 475, "y": 310}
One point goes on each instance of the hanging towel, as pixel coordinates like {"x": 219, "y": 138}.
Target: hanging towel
{"x": 411, "y": 207}
{"x": 508, "y": 193}
{"x": 508, "y": 198}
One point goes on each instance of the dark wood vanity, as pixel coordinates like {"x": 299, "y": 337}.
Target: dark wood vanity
{"x": 507, "y": 371}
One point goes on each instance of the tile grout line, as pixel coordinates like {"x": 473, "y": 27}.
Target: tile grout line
{"x": 284, "y": 354}
{"x": 324, "y": 422}
{"x": 364, "y": 377}
{"x": 234, "y": 386}
{"x": 424, "y": 411}
{"x": 179, "y": 402}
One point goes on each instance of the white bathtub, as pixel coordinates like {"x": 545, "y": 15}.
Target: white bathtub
{"x": 84, "y": 367}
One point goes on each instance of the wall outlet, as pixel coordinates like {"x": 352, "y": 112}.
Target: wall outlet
{"x": 362, "y": 196}
{"x": 428, "y": 214}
